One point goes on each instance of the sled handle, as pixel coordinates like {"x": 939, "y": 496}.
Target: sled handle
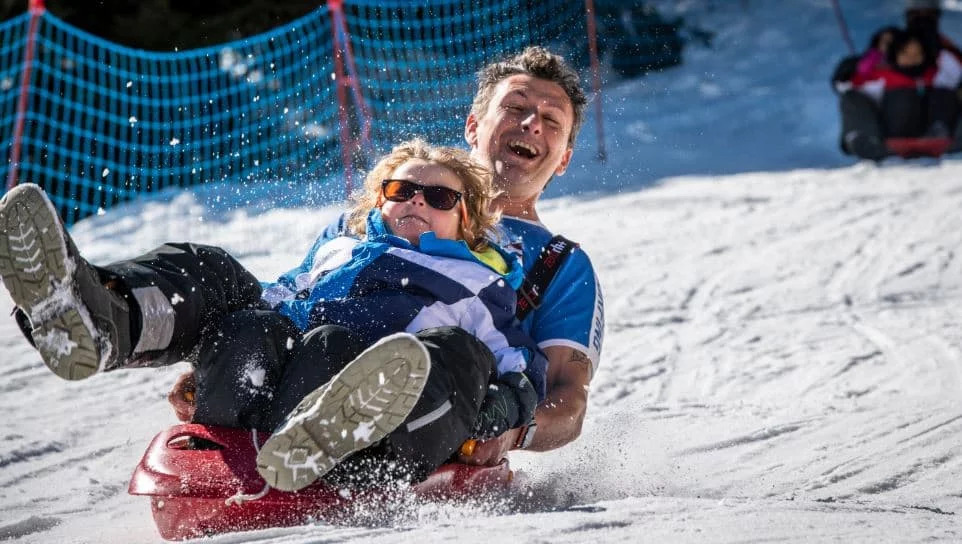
{"x": 468, "y": 447}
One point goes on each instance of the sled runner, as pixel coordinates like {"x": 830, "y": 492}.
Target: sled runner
{"x": 911, "y": 148}
{"x": 193, "y": 475}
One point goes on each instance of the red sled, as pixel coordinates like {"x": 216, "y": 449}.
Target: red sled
{"x": 190, "y": 472}
{"x": 911, "y": 148}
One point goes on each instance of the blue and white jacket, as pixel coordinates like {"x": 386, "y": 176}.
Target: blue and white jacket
{"x": 384, "y": 284}
{"x": 572, "y": 311}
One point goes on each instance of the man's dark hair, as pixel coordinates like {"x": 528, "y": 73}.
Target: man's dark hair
{"x": 537, "y": 62}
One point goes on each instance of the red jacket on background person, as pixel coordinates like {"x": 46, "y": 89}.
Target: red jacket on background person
{"x": 944, "y": 71}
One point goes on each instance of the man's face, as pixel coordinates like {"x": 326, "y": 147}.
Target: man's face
{"x": 523, "y": 135}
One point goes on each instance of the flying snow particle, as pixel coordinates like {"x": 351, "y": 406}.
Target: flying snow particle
{"x": 404, "y": 282}
{"x": 174, "y": 141}
{"x": 316, "y": 130}
{"x": 176, "y": 299}
{"x": 255, "y": 375}
{"x": 132, "y": 120}
{"x": 105, "y": 172}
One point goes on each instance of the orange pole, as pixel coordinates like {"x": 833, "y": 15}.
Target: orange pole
{"x": 595, "y": 77}
{"x": 340, "y": 76}
{"x": 37, "y": 9}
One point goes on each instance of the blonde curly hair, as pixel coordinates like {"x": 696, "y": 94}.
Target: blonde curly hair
{"x": 477, "y": 195}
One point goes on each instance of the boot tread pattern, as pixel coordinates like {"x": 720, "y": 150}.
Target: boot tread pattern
{"x": 365, "y": 402}
{"x": 35, "y": 270}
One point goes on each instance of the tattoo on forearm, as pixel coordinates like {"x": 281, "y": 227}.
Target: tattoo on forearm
{"x": 580, "y": 358}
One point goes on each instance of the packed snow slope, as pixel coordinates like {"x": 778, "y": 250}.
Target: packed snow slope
{"x": 783, "y": 350}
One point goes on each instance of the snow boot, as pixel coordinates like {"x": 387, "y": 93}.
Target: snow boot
{"x": 368, "y": 399}
{"x": 79, "y": 326}
{"x": 865, "y": 146}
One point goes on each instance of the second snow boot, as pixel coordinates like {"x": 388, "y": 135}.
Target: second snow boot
{"x": 367, "y": 400}
{"x": 79, "y": 326}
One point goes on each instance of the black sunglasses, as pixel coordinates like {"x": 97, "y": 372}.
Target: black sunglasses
{"x": 402, "y": 190}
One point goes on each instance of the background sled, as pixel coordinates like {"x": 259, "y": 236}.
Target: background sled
{"x": 190, "y": 471}
{"x": 911, "y": 148}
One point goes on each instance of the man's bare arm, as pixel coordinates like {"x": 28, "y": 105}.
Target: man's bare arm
{"x": 562, "y": 412}
{"x": 559, "y": 416}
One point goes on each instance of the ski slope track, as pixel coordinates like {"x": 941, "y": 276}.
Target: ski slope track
{"x": 783, "y": 356}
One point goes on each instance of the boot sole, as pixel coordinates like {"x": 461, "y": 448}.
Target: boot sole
{"x": 365, "y": 402}
{"x": 37, "y": 273}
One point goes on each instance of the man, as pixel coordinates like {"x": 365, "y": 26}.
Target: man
{"x": 922, "y": 17}
{"x": 159, "y": 308}
{"x": 523, "y": 122}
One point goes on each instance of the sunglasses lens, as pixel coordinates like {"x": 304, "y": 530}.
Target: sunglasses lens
{"x": 400, "y": 190}
{"x": 441, "y": 198}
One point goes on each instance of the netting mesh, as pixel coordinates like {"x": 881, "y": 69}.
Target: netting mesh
{"x": 104, "y": 123}
{"x": 417, "y": 61}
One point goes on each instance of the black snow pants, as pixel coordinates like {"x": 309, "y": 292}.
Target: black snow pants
{"x": 252, "y": 365}
{"x": 907, "y": 113}
{"x": 863, "y": 134}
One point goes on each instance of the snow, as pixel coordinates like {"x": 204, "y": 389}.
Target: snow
{"x": 783, "y": 350}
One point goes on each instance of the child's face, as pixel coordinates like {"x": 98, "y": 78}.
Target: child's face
{"x": 911, "y": 55}
{"x": 414, "y": 217}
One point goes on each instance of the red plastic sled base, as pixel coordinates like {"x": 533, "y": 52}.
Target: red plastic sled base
{"x": 189, "y": 487}
{"x": 911, "y": 148}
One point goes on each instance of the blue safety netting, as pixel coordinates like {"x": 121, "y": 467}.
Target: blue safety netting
{"x": 417, "y": 60}
{"x": 105, "y": 123}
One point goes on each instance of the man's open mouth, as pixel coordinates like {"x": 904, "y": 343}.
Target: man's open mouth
{"x": 522, "y": 149}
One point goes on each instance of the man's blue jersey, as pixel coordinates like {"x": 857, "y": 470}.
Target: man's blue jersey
{"x": 572, "y": 311}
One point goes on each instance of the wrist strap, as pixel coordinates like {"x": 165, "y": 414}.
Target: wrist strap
{"x": 519, "y": 443}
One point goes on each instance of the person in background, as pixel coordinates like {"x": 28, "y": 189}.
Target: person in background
{"x": 915, "y": 93}
{"x": 922, "y": 17}
{"x": 875, "y": 98}
{"x": 874, "y": 56}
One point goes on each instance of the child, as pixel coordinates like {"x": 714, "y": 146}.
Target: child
{"x": 424, "y": 263}
{"x": 875, "y": 56}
